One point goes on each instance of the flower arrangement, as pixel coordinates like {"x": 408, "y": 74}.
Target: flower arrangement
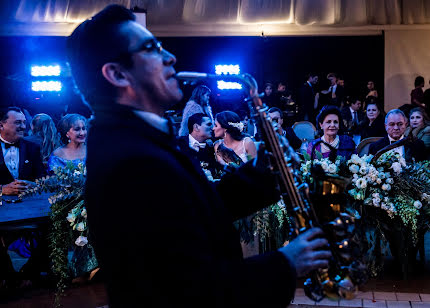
{"x": 68, "y": 216}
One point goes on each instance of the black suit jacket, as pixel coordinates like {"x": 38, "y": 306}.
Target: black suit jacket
{"x": 162, "y": 233}
{"x": 415, "y": 150}
{"x": 352, "y": 128}
{"x": 307, "y": 101}
{"x": 30, "y": 163}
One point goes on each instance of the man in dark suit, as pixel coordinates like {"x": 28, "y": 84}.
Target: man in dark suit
{"x": 173, "y": 243}
{"x": 335, "y": 92}
{"x": 20, "y": 159}
{"x": 276, "y": 115}
{"x": 307, "y": 98}
{"x": 195, "y": 145}
{"x": 395, "y": 125}
{"x": 352, "y": 115}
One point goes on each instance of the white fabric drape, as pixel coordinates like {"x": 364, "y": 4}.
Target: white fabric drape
{"x": 220, "y": 17}
{"x": 406, "y": 57}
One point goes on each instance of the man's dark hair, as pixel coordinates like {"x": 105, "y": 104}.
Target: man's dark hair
{"x": 328, "y": 110}
{"x": 275, "y": 109}
{"x": 309, "y": 75}
{"x": 4, "y": 112}
{"x": 333, "y": 75}
{"x": 196, "y": 118}
{"x": 419, "y": 80}
{"x": 93, "y": 43}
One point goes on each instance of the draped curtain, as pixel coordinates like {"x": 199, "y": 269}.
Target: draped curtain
{"x": 219, "y": 17}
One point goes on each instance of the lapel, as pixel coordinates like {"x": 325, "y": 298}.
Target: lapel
{"x": 22, "y": 156}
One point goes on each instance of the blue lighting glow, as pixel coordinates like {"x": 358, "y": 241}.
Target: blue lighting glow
{"x": 46, "y": 86}
{"x": 227, "y": 69}
{"x": 227, "y": 85}
{"x": 43, "y": 70}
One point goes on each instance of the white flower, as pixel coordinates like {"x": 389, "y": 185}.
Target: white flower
{"x": 364, "y": 170}
{"x": 386, "y": 187}
{"x": 376, "y": 201}
{"x": 80, "y": 227}
{"x": 426, "y": 197}
{"x": 378, "y": 180}
{"x": 390, "y": 181}
{"x": 381, "y": 175}
{"x": 84, "y": 212}
{"x": 332, "y": 168}
{"x": 383, "y": 206}
{"x": 81, "y": 241}
{"x": 76, "y": 173}
{"x": 324, "y": 165}
{"x": 71, "y": 217}
{"x": 354, "y": 169}
{"x": 355, "y": 159}
{"x": 418, "y": 204}
{"x": 397, "y": 167}
{"x": 375, "y": 195}
{"x": 387, "y": 175}
{"x": 402, "y": 161}
{"x": 361, "y": 183}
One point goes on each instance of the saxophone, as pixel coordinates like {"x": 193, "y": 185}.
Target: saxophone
{"x": 346, "y": 270}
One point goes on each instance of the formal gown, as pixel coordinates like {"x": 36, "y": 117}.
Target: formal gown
{"x": 82, "y": 260}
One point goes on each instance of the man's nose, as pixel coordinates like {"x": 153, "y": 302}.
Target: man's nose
{"x": 168, "y": 58}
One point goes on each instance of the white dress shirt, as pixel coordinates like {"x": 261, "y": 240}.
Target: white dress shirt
{"x": 194, "y": 144}
{"x": 11, "y": 158}
{"x": 400, "y": 150}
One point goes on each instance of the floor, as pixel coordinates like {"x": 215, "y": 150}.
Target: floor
{"x": 388, "y": 291}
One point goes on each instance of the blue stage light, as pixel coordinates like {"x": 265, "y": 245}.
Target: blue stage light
{"x": 46, "y": 86}
{"x": 227, "y": 69}
{"x": 43, "y": 70}
{"x": 227, "y": 85}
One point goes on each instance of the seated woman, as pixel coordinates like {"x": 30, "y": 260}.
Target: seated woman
{"x": 374, "y": 123}
{"x": 44, "y": 133}
{"x": 73, "y": 133}
{"x": 329, "y": 120}
{"x": 234, "y": 147}
{"x": 420, "y": 127}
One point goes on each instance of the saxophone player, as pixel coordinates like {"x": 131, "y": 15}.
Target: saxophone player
{"x": 162, "y": 234}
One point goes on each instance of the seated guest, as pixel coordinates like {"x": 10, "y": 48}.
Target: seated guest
{"x": 194, "y": 145}
{"x": 329, "y": 120}
{"x": 234, "y": 147}
{"x": 420, "y": 127}
{"x": 73, "y": 133}
{"x": 373, "y": 123}
{"x": 276, "y": 115}
{"x": 395, "y": 125}
{"x": 44, "y": 133}
{"x": 198, "y": 103}
{"x": 21, "y": 159}
{"x": 352, "y": 116}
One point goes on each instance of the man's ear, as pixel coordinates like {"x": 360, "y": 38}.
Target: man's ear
{"x": 114, "y": 74}
{"x": 196, "y": 127}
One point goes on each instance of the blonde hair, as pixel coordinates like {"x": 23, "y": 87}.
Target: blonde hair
{"x": 43, "y": 127}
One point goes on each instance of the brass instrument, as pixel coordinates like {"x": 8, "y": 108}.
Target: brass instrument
{"x": 345, "y": 271}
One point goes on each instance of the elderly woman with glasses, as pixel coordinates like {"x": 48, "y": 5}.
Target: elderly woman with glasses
{"x": 331, "y": 145}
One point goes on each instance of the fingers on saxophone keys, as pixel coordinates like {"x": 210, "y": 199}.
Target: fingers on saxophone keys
{"x": 311, "y": 233}
{"x": 317, "y": 243}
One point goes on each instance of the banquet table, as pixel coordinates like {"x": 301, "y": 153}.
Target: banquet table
{"x": 29, "y": 212}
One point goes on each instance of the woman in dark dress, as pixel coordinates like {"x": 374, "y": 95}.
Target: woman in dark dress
{"x": 374, "y": 123}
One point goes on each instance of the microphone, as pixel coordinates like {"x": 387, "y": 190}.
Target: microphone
{"x": 196, "y": 76}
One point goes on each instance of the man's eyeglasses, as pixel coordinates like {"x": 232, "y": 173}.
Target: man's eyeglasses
{"x": 149, "y": 46}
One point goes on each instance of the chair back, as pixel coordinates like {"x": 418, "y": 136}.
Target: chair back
{"x": 363, "y": 147}
{"x": 305, "y": 130}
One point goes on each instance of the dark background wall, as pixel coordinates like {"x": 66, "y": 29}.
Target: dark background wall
{"x": 274, "y": 59}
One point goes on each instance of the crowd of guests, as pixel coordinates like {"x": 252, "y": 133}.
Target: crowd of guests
{"x": 28, "y": 155}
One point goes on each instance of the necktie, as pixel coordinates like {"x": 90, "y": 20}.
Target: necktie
{"x": 200, "y": 145}
{"x": 355, "y": 119}
{"x": 8, "y": 145}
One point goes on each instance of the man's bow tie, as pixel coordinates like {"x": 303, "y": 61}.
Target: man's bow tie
{"x": 8, "y": 145}
{"x": 201, "y": 145}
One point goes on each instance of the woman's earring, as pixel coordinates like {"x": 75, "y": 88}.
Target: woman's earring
{"x": 225, "y": 134}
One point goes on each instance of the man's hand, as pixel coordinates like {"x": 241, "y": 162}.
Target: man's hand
{"x": 303, "y": 252}
{"x": 15, "y": 188}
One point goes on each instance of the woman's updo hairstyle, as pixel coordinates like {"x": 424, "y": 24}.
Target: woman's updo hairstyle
{"x": 66, "y": 123}
{"x": 326, "y": 111}
{"x": 231, "y": 122}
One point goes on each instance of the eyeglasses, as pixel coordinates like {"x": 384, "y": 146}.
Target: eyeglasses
{"x": 149, "y": 45}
